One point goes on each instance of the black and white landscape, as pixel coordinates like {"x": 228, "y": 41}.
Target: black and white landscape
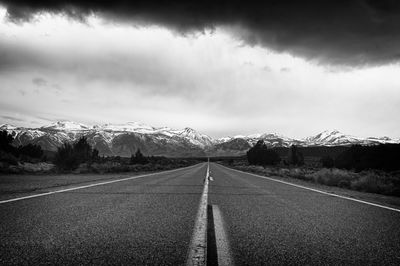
{"x": 266, "y": 132}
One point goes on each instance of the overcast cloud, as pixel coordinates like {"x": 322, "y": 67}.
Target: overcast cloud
{"x": 230, "y": 70}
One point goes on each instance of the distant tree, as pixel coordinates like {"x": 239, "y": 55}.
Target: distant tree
{"x": 327, "y": 162}
{"x": 95, "y": 154}
{"x": 259, "y": 154}
{"x": 69, "y": 156}
{"x": 138, "y": 158}
{"x": 21, "y": 153}
{"x": 295, "y": 157}
{"x": 31, "y": 150}
{"x": 6, "y": 141}
{"x": 383, "y": 157}
{"x": 82, "y": 150}
{"x": 65, "y": 158}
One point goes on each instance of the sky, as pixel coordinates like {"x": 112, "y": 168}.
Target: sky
{"x": 221, "y": 67}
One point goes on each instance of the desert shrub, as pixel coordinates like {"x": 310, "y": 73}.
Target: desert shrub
{"x": 377, "y": 182}
{"x": 259, "y": 154}
{"x": 298, "y": 173}
{"x": 333, "y": 177}
{"x": 367, "y": 183}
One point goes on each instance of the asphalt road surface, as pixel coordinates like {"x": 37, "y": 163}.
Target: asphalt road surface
{"x": 150, "y": 220}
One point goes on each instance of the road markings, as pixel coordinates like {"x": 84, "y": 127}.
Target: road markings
{"x": 318, "y": 191}
{"x": 198, "y": 245}
{"x": 223, "y": 249}
{"x": 91, "y": 185}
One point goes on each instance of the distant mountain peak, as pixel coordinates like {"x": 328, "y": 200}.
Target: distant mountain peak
{"x": 189, "y": 129}
{"x": 7, "y": 127}
{"x": 66, "y": 125}
{"x": 129, "y": 127}
{"x": 138, "y": 124}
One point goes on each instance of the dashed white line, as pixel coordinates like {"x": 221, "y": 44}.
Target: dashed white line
{"x": 91, "y": 185}
{"x": 317, "y": 190}
{"x": 198, "y": 245}
{"x": 223, "y": 248}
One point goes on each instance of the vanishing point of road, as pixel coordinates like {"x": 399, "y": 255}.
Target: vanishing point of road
{"x": 198, "y": 215}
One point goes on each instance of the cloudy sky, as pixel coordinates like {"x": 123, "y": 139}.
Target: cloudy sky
{"x": 220, "y": 67}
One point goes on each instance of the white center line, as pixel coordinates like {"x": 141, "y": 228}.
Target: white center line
{"x": 198, "y": 245}
{"x": 223, "y": 250}
{"x": 317, "y": 190}
{"x": 91, "y": 185}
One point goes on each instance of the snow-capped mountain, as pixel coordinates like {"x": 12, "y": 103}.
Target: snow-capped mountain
{"x": 125, "y": 139}
{"x": 128, "y": 127}
{"x": 336, "y": 138}
{"x": 65, "y": 126}
{"x": 271, "y": 139}
{"x": 116, "y": 139}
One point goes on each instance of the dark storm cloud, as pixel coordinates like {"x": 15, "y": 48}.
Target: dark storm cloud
{"x": 349, "y": 32}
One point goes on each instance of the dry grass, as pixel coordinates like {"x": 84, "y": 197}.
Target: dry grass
{"x": 367, "y": 181}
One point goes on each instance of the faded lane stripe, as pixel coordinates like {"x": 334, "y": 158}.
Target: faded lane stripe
{"x": 316, "y": 190}
{"x": 92, "y": 185}
{"x": 223, "y": 248}
{"x": 198, "y": 245}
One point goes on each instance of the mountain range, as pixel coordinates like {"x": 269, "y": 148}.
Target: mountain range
{"x": 125, "y": 139}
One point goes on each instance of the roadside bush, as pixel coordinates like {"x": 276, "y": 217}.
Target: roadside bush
{"x": 373, "y": 181}
{"x": 333, "y": 177}
{"x": 377, "y": 182}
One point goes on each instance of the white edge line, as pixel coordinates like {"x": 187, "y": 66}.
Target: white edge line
{"x": 223, "y": 247}
{"x": 316, "y": 190}
{"x": 91, "y": 185}
{"x": 197, "y": 254}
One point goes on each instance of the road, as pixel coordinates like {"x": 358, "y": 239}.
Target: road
{"x": 150, "y": 220}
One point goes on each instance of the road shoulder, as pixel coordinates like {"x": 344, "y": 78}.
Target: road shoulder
{"x": 389, "y": 201}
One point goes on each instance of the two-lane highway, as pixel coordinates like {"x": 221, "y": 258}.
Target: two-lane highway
{"x": 151, "y": 220}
